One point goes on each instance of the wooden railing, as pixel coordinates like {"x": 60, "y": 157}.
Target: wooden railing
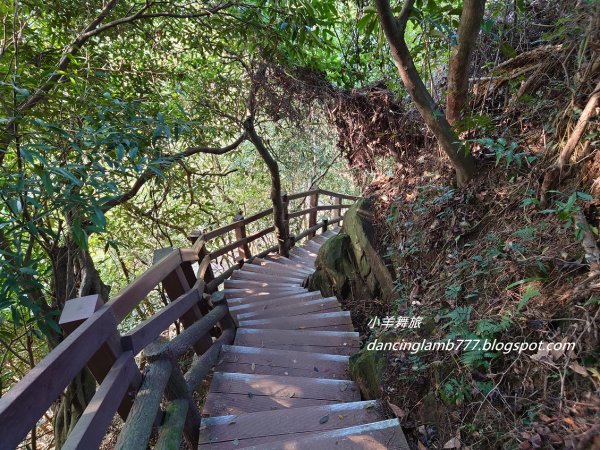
{"x": 93, "y": 340}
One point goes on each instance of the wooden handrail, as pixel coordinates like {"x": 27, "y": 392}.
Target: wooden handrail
{"x": 95, "y": 327}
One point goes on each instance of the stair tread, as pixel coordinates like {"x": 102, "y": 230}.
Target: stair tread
{"x": 225, "y": 432}
{"x": 242, "y": 305}
{"x": 382, "y": 435}
{"x": 340, "y": 320}
{"x": 253, "y": 385}
{"x": 265, "y": 361}
{"x": 329, "y": 342}
{"x": 291, "y": 309}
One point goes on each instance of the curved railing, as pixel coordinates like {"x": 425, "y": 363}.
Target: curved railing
{"x": 93, "y": 340}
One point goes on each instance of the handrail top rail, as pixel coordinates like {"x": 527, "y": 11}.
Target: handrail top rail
{"x": 209, "y": 235}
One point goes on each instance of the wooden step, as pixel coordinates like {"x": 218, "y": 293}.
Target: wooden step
{"x": 249, "y": 284}
{"x": 267, "y": 276}
{"x": 312, "y": 246}
{"x": 234, "y": 431}
{"x": 295, "y": 263}
{"x": 239, "y": 305}
{"x": 219, "y": 404}
{"x": 382, "y": 435}
{"x": 250, "y": 294}
{"x": 262, "y": 296}
{"x": 330, "y": 342}
{"x": 264, "y": 361}
{"x": 319, "y": 239}
{"x": 339, "y": 321}
{"x": 273, "y": 269}
{"x": 304, "y": 260}
{"x": 291, "y": 310}
{"x": 252, "y": 387}
{"x": 303, "y": 252}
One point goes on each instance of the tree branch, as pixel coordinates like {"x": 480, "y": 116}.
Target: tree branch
{"x": 92, "y": 29}
{"x": 148, "y": 174}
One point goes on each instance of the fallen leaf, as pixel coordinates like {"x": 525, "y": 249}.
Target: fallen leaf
{"x": 398, "y": 412}
{"x": 250, "y": 395}
{"x": 343, "y": 387}
{"x": 452, "y": 443}
{"x": 578, "y": 368}
{"x": 315, "y": 369}
{"x": 324, "y": 419}
{"x": 293, "y": 395}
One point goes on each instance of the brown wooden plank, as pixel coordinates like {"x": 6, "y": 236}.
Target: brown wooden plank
{"x": 25, "y": 402}
{"x": 339, "y": 195}
{"x": 144, "y": 333}
{"x": 260, "y": 285}
{"x": 302, "y": 194}
{"x": 91, "y": 426}
{"x": 319, "y": 239}
{"x": 238, "y": 306}
{"x": 284, "y": 386}
{"x": 289, "y": 262}
{"x": 300, "y": 347}
{"x": 246, "y": 296}
{"x": 304, "y": 252}
{"x": 311, "y": 246}
{"x": 273, "y": 269}
{"x": 265, "y": 275}
{"x": 333, "y": 339}
{"x": 263, "y": 361}
{"x": 305, "y": 322}
{"x": 253, "y": 368}
{"x": 288, "y": 268}
{"x": 382, "y": 435}
{"x": 219, "y": 433}
{"x": 218, "y": 404}
{"x": 132, "y": 295}
{"x": 306, "y": 262}
{"x": 292, "y": 310}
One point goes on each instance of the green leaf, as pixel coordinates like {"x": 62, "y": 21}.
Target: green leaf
{"x": 530, "y": 292}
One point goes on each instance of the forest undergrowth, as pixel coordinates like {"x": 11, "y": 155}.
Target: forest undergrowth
{"x": 502, "y": 259}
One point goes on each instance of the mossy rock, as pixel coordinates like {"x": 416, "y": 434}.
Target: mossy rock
{"x": 367, "y": 368}
{"x": 349, "y": 264}
{"x": 358, "y": 225}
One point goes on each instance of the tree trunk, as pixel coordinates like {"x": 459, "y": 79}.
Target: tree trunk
{"x": 433, "y": 116}
{"x": 74, "y": 276}
{"x": 460, "y": 60}
{"x": 283, "y": 239}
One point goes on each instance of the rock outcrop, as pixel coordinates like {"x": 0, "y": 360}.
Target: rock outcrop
{"x": 349, "y": 265}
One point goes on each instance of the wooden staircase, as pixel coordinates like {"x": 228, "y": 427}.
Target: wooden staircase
{"x": 284, "y": 384}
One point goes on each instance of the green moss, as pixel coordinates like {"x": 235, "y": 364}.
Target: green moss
{"x": 367, "y": 368}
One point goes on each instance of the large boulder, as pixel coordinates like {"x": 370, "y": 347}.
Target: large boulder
{"x": 349, "y": 263}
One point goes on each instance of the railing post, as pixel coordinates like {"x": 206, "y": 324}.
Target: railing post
{"x": 313, "y": 201}
{"x": 177, "y": 284}
{"x": 208, "y": 275}
{"x": 227, "y": 322}
{"x": 289, "y": 242}
{"x": 337, "y": 212}
{"x": 324, "y": 227}
{"x": 240, "y": 233}
{"x": 75, "y": 312}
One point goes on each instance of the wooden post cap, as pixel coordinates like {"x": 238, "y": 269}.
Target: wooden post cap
{"x": 160, "y": 254}
{"x": 77, "y": 310}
